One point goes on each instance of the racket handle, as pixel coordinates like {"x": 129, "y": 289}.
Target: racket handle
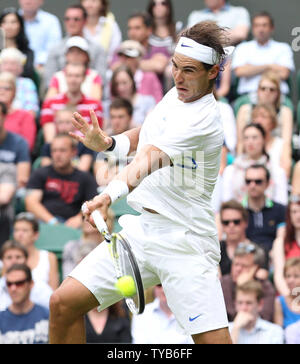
{"x": 98, "y": 219}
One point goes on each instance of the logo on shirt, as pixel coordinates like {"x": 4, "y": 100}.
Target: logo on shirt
{"x": 193, "y": 165}
{"x": 191, "y": 319}
{"x": 185, "y": 46}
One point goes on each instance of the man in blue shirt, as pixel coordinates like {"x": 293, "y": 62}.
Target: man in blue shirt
{"x": 42, "y": 29}
{"x": 23, "y": 322}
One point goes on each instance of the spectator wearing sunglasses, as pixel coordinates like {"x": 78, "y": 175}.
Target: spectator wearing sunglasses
{"x": 14, "y": 253}
{"x": 254, "y": 144}
{"x": 266, "y": 217}
{"x": 234, "y": 220}
{"x": 247, "y": 264}
{"x": 23, "y": 322}
{"x": 268, "y": 92}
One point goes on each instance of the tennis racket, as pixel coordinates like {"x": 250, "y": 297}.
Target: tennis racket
{"x": 124, "y": 262}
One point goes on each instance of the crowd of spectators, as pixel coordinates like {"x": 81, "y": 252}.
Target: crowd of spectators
{"x": 50, "y": 70}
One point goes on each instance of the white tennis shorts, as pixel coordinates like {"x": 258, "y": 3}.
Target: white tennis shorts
{"x": 184, "y": 263}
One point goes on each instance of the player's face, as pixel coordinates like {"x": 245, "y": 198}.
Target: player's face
{"x": 191, "y": 79}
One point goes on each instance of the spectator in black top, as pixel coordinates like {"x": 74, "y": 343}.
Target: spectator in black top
{"x": 266, "y": 217}
{"x": 56, "y": 193}
{"x": 234, "y": 219}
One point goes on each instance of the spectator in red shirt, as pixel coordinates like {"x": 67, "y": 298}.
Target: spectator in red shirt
{"x": 75, "y": 75}
{"x": 17, "y": 121}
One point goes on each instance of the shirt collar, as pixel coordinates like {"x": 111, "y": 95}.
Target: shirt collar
{"x": 268, "y": 203}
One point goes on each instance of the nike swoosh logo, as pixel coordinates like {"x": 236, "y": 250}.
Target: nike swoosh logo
{"x": 186, "y": 46}
{"x": 194, "y": 318}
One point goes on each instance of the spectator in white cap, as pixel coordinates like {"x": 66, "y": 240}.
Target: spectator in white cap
{"x": 12, "y": 60}
{"x": 77, "y": 51}
{"x": 74, "y": 20}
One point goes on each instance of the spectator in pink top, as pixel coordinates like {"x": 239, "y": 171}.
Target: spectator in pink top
{"x": 17, "y": 121}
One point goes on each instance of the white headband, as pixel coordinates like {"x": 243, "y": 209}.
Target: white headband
{"x": 188, "y": 47}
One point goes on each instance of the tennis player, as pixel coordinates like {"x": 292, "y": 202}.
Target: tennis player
{"x": 170, "y": 181}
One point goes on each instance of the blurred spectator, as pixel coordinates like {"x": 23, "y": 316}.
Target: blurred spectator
{"x": 43, "y": 264}
{"x": 18, "y": 121}
{"x": 107, "y": 166}
{"x": 75, "y": 75}
{"x": 14, "y": 253}
{"x": 266, "y": 217}
{"x": 23, "y": 322}
{"x": 234, "y": 184}
{"x": 296, "y": 179}
{"x": 13, "y": 25}
{"x": 234, "y": 220}
{"x": 147, "y": 83}
{"x": 156, "y": 58}
{"x": 101, "y": 26}
{"x": 287, "y": 308}
{"x": 57, "y": 192}
{"x": 123, "y": 86}
{"x": 268, "y": 92}
{"x": 77, "y": 51}
{"x": 235, "y": 18}
{"x": 12, "y": 60}
{"x": 247, "y": 264}
{"x": 288, "y": 246}
{"x": 292, "y": 333}
{"x": 160, "y": 323}
{"x": 248, "y": 327}
{"x": 252, "y": 58}
{"x": 279, "y": 152}
{"x": 74, "y": 20}
{"x": 63, "y": 124}
{"x": 38, "y": 24}
{"x": 15, "y": 167}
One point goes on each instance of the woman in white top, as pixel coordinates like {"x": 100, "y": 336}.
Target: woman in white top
{"x": 43, "y": 264}
{"x": 233, "y": 182}
{"x": 101, "y": 26}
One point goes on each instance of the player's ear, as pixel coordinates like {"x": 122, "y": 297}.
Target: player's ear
{"x": 214, "y": 71}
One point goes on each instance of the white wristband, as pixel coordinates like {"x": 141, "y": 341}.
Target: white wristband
{"x": 121, "y": 148}
{"x": 115, "y": 190}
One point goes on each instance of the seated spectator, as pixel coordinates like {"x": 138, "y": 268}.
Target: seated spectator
{"x": 147, "y": 83}
{"x": 90, "y": 237}
{"x": 106, "y": 166}
{"x": 75, "y": 75}
{"x": 101, "y": 26}
{"x": 288, "y": 246}
{"x": 160, "y": 322}
{"x": 13, "y": 25}
{"x": 43, "y": 264}
{"x": 266, "y": 217}
{"x": 77, "y": 51}
{"x": 292, "y": 333}
{"x": 75, "y": 18}
{"x": 12, "y": 60}
{"x": 279, "y": 152}
{"x": 14, "y": 173}
{"x": 296, "y": 179}
{"x": 14, "y": 253}
{"x": 247, "y": 264}
{"x": 248, "y": 327}
{"x": 23, "y": 322}
{"x": 234, "y": 184}
{"x": 287, "y": 308}
{"x": 268, "y": 92}
{"x": 84, "y": 157}
{"x": 17, "y": 120}
{"x": 123, "y": 86}
{"x": 234, "y": 220}
{"x": 263, "y": 53}
{"x": 42, "y": 29}
{"x": 57, "y": 192}
{"x": 235, "y": 18}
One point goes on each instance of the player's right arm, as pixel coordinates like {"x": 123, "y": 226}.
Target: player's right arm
{"x": 95, "y": 138}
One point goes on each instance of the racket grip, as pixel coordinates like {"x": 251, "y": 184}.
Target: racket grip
{"x": 98, "y": 219}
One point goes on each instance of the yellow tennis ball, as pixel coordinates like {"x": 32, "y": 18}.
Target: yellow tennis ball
{"x": 126, "y": 286}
